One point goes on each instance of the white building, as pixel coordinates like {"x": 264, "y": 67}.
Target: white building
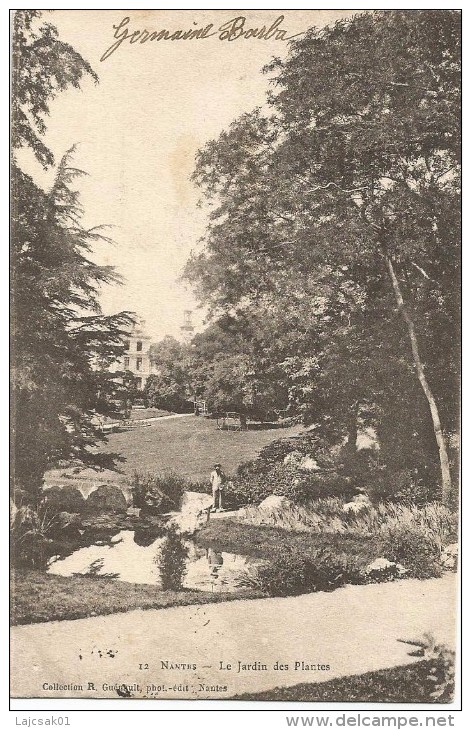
{"x": 136, "y": 359}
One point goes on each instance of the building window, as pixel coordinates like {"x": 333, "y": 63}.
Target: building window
{"x": 126, "y": 363}
{"x": 127, "y": 345}
{"x": 139, "y": 346}
{"x": 139, "y": 363}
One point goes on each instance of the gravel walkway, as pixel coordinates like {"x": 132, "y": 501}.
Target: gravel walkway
{"x": 318, "y": 636}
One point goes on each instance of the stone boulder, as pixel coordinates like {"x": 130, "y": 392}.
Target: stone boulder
{"x": 293, "y": 458}
{"x": 308, "y": 463}
{"x": 63, "y": 499}
{"x": 383, "y": 569}
{"x": 301, "y": 461}
{"x": 449, "y": 556}
{"x": 106, "y": 498}
{"x": 194, "y": 512}
{"x": 196, "y": 501}
{"x": 273, "y": 503}
{"x": 359, "y": 503}
{"x": 189, "y": 522}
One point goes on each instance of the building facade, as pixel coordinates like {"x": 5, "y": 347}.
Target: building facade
{"x": 136, "y": 358}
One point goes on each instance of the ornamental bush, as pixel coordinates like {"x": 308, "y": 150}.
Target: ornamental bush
{"x": 171, "y": 561}
{"x": 414, "y": 547}
{"x": 274, "y": 454}
{"x": 289, "y": 572}
{"x": 158, "y": 493}
{"x": 286, "y": 480}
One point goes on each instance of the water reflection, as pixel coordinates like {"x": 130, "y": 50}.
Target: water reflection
{"x": 131, "y": 557}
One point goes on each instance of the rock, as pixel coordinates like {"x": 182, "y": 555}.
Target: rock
{"x": 106, "y": 498}
{"x": 293, "y": 458}
{"x": 274, "y": 503}
{"x": 68, "y": 519}
{"x": 302, "y": 461}
{"x": 383, "y": 569}
{"x": 352, "y": 507}
{"x": 195, "y": 501}
{"x": 194, "y": 512}
{"x": 308, "y": 463}
{"x": 358, "y": 503}
{"x": 63, "y": 499}
{"x": 449, "y": 556}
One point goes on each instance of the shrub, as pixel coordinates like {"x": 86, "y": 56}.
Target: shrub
{"x": 290, "y": 572}
{"x": 442, "y": 673}
{"x": 442, "y": 670}
{"x": 274, "y": 454}
{"x": 402, "y": 486}
{"x": 413, "y": 547}
{"x": 289, "y": 481}
{"x": 284, "y": 575}
{"x": 171, "y": 561}
{"x": 30, "y": 537}
{"x": 280, "y": 480}
{"x": 158, "y": 493}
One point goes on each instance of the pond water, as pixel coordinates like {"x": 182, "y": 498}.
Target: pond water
{"x": 124, "y": 559}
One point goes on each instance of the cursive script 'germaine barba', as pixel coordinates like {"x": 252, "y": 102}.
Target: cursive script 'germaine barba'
{"x": 232, "y": 30}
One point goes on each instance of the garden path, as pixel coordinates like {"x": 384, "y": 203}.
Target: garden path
{"x": 352, "y": 630}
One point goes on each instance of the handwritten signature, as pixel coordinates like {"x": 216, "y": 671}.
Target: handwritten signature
{"x": 234, "y": 29}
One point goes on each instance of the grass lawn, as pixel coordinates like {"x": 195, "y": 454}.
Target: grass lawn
{"x": 406, "y": 684}
{"x": 37, "y": 597}
{"x": 259, "y": 541}
{"x": 190, "y": 446}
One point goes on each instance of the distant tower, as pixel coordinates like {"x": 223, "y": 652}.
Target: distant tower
{"x": 187, "y": 327}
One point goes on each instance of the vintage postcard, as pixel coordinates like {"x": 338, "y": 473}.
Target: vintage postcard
{"x": 235, "y": 355}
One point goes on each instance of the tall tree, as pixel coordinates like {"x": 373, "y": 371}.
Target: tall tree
{"x": 43, "y": 66}
{"x": 354, "y": 178}
{"x": 59, "y": 334}
{"x": 168, "y": 387}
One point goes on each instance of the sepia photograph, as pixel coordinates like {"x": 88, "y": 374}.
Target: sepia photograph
{"x": 235, "y": 330}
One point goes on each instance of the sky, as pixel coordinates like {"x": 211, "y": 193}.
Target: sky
{"x": 137, "y": 133}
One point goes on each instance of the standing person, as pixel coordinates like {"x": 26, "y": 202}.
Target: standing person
{"x": 217, "y": 479}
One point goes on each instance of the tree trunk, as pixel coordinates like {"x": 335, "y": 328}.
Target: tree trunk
{"x": 437, "y": 427}
{"x": 352, "y": 429}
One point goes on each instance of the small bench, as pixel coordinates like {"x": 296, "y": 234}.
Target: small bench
{"x": 231, "y": 421}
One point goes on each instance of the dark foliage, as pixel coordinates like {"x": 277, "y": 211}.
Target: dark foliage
{"x": 43, "y": 66}
{"x": 344, "y": 211}
{"x": 290, "y": 572}
{"x": 286, "y": 480}
{"x": 408, "y": 684}
{"x": 417, "y": 552}
{"x": 172, "y": 561}
{"x": 158, "y": 493}
{"x": 62, "y": 344}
